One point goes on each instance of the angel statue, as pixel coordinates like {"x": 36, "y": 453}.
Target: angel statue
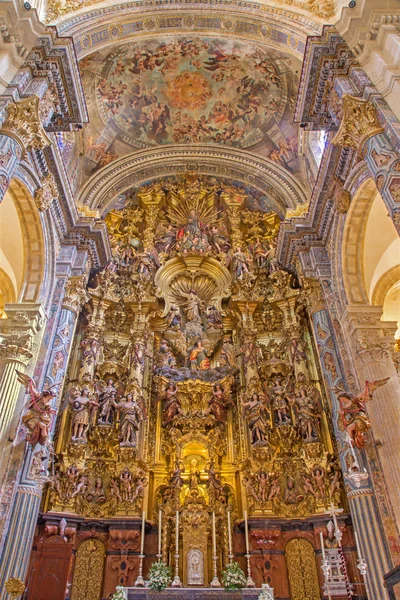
{"x": 38, "y": 417}
{"x": 354, "y": 418}
{"x": 81, "y": 406}
{"x": 131, "y": 415}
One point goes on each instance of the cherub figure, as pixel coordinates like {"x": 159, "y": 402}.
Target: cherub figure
{"x": 262, "y": 477}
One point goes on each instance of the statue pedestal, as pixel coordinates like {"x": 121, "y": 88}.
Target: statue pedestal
{"x": 192, "y": 594}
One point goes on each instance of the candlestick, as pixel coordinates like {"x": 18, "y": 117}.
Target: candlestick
{"x": 177, "y": 581}
{"x": 143, "y": 528}
{"x": 230, "y": 555}
{"x": 246, "y": 531}
{"x": 159, "y": 555}
{"x": 358, "y": 545}
{"x": 215, "y": 581}
{"x": 140, "y": 581}
{"x": 214, "y": 536}
{"x": 322, "y": 545}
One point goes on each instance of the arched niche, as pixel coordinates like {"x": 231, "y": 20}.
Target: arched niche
{"x": 22, "y": 251}
{"x": 371, "y": 254}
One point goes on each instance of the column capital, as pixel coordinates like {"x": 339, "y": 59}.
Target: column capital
{"x": 312, "y": 295}
{"x": 76, "y": 294}
{"x": 17, "y": 332}
{"x": 359, "y": 123}
{"x": 373, "y": 339}
{"x": 24, "y": 125}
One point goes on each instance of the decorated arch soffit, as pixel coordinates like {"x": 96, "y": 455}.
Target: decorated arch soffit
{"x": 223, "y": 93}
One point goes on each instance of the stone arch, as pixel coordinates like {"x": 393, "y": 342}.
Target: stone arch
{"x": 33, "y": 242}
{"x": 7, "y": 291}
{"x": 136, "y": 168}
{"x": 384, "y": 284}
{"x": 353, "y": 242}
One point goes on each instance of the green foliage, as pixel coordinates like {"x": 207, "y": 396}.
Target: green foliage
{"x": 233, "y": 577}
{"x": 160, "y": 576}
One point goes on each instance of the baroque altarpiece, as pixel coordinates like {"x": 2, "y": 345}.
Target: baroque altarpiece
{"x": 193, "y": 387}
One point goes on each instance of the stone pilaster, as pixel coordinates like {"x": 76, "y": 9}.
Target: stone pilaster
{"x": 372, "y": 344}
{"x": 24, "y": 512}
{"x": 17, "y": 336}
{"x": 363, "y": 508}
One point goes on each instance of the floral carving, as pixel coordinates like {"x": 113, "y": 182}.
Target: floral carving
{"x": 358, "y": 125}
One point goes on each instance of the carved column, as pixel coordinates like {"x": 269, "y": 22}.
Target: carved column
{"x": 360, "y": 130}
{"x": 372, "y": 343}
{"x": 25, "y": 510}
{"x": 21, "y": 132}
{"x": 17, "y": 335}
{"x": 363, "y": 508}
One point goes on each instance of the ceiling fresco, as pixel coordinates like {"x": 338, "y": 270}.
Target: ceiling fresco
{"x": 190, "y": 90}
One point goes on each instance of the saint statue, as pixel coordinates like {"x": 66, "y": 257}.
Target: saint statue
{"x": 131, "y": 416}
{"x": 172, "y": 405}
{"x": 198, "y": 358}
{"x": 192, "y": 307}
{"x": 258, "y": 418}
{"x": 81, "y": 406}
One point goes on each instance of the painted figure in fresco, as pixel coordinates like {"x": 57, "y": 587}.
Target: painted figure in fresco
{"x": 131, "y": 416}
{"x": 258, "y": 418}
{"x": 172, "y": 406}
{"x": 192, "y": 307}
{"x": 198, "y": 358}
{"x": 81, "y": 406}
{"x": 353, "y": 413}
{"x": 217, "y": 403}
{"x": 240, "y": 263}
{"x": 37, "y": 419}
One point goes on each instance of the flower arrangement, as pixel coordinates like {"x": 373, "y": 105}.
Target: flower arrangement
{"x": 119, "y": 593}
{"x": 233, "y": 577}
{"x": 159, "y": 576}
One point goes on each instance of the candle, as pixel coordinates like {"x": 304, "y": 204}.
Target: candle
{"x": 229, "y": 533}
{"x": 159, "y": 530}
{"x": 336, "y": 523}
{"x": 177, "y": 533}
{"x": 358, "y": 545}
{"x": 322, "y": 545}
{"x": 143, "y": 527}
{"x": 214, "y": 536}
{"x": 246, "y": 530}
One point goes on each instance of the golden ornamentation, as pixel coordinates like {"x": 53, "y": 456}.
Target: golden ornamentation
{"x": 358, "y": 125}
{"x": 301, "y": 211}
{"x": 24, "y": 125}
{"x": 47, "y": 192}
{"x": 88, "y": 571}
{"x": 76, "y": 294}
{"x": 302, "y": 570}
{"x": 15, "y": 587}
{"x": 342, "y": 199}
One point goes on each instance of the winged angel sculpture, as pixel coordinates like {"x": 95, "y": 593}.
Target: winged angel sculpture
{"x": 353, "y": 415}
{"x": 37, "y": 418}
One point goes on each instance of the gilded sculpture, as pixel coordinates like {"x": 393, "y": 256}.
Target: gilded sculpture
{"x": 193, "y": 353}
